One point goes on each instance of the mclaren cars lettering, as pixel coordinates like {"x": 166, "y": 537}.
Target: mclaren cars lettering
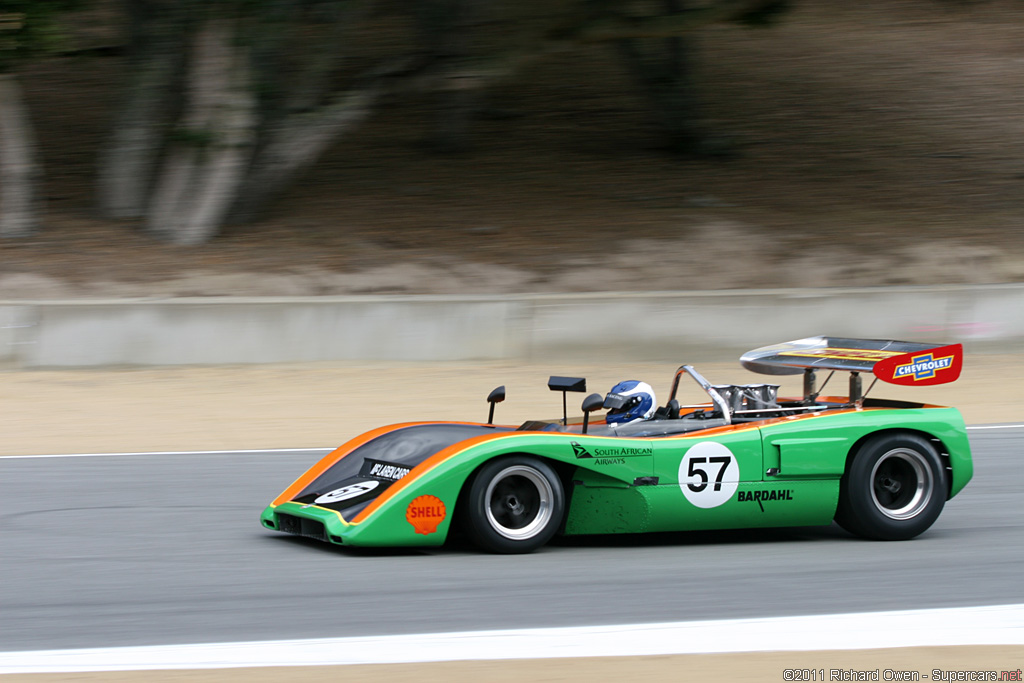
{"x": 381, "y": 469}
{"x": 617, "y": 452}
{"x": 709, "y": 474}
{"x": 347, "y": 492}
{"x": 425, "y": 513}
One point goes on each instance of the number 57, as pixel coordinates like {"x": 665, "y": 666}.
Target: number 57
{"x": 721, "y": 460}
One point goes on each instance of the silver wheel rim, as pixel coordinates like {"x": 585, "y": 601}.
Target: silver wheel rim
{"x": 901, "y": 483}
{"x": 518, "y": 502}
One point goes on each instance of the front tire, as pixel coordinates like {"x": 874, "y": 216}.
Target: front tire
{"x": 514, "y": 505}
{"x": 893, "y": 489}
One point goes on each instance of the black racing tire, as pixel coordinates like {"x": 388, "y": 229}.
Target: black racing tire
{"x": 894, "y": 488}
{"x": 514, "y": 504}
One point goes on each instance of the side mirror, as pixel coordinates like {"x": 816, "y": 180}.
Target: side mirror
{"x": 497, "y": 395}
{"x": 590, "y": 404}
{"x": 673, "y": 409}
{"x": 564, "y": 384}
{"x": 556, "y": 383}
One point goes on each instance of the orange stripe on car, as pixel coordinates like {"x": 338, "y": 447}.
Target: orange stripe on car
{"x": 456, "y": 448}
{"x": 327, "y": 462}
{"x": 312, "y": 473}
{"x": 429, "y": 464}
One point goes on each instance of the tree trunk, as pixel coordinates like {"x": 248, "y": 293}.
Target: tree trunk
{"x": 206, "y": 166}
{"x": 443, "y": 27}
{"x": 295, "y": 144}
{"x": 310, "y": 88}
{"x": 128, "y": 161}
{"x": 20, "y": 173}
{"x": 668, "y": 85}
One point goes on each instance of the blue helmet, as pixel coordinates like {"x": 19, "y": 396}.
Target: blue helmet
{"x": 630, "y": 401}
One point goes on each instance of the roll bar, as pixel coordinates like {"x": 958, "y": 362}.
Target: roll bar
{"x": 705, "y": 385}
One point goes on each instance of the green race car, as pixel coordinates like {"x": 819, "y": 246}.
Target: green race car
{"x": 743, "y": 457}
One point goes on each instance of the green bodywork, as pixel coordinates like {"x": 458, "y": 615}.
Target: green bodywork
{"x": 772, "y": 473}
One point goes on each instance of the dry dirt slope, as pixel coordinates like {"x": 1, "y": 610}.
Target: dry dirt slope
{"x": 876, "y": 142}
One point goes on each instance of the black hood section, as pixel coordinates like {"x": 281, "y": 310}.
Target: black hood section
{"x": 353, "y": 482}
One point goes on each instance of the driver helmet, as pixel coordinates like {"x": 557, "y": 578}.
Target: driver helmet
{"x": 639, "y": 405}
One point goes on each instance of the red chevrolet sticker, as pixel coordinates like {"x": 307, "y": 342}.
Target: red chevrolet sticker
{"x": 921, "y": 368}
{"x": 425, "y": 513}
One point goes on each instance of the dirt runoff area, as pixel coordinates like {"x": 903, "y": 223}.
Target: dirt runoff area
{"x": 325, "y": 404}
{"x": 288, "y": 406}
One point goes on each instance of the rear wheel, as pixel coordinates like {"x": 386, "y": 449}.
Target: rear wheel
{"x": 514, "y": 505}
{"x": 894, "y": 488}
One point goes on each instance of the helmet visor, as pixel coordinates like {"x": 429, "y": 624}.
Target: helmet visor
{"x": 619, "y": 404}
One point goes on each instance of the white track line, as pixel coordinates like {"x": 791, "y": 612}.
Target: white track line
{"x": 249, "y": 451}
{"x": 994, "y": 625}
{"x": 274, "y": 451}
{"x": 997, "y": 426}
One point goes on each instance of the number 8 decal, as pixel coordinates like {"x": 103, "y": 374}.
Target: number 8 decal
{"x": 709, "y": 474}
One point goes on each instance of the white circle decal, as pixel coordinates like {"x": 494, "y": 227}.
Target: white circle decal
{"x": 709, "y": 474}
{"x": 346, "y": 492}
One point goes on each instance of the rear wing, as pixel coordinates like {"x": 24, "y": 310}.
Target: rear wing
{"x": 896, "y": 362}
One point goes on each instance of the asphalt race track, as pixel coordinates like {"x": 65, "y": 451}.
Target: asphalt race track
{"x": 164, "y": 549}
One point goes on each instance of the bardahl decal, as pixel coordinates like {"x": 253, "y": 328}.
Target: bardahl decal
{"x": 425, "y": 513}
{"x": 761, "y": 496}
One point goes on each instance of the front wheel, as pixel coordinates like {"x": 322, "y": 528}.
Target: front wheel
{"x": 894, "y": 489}
{"x": 514, "y": 505}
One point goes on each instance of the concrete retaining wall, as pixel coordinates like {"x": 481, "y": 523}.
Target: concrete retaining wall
{"x": 662, "y": 326}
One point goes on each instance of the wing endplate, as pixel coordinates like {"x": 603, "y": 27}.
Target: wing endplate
{"x": 898, "y": 362}
{"x": 939, "y": 365}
